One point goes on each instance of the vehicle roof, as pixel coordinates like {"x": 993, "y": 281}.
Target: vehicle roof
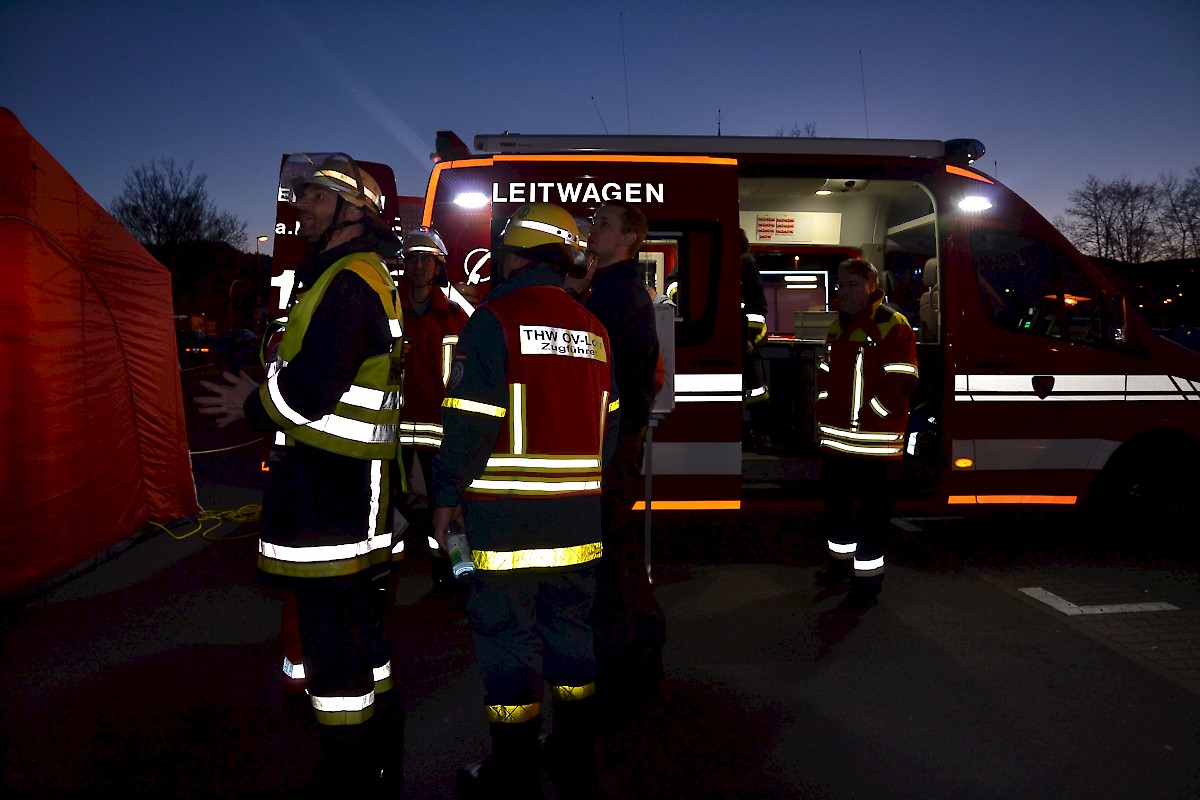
{"x": 715, "y": 145}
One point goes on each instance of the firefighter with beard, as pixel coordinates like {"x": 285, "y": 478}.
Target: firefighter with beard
{"x": 432, "y": 322}
{"x": 531, "y": 417}
{"x": 332, "y": 397}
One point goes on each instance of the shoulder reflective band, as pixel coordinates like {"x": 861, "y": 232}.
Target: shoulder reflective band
{"x": 474, "y": 407}
{"x": 571, "y": 693}
{"x": 514, "y": 715}
{"x": 544, "y": 558}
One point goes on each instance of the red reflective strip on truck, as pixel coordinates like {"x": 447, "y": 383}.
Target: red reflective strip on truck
{"x": 689, "y": 505}
{"x": 966, "y": 173}
{"x": 620, "y": 158}
{"x": 1012, "y": 499}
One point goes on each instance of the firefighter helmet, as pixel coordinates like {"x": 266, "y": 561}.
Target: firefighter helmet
{"x": 536, "y": 224}
{"x": 426, "y": 240}
{"x": 336, "y": 171}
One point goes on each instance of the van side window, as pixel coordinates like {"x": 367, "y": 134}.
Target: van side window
{"x": 1027, "y": 286}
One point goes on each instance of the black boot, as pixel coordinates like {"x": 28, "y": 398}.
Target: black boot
{"x": 348, "y": 763}
{"x": 511, "y": 771}
{"x": 389, "y": 743}
{"x": 836, "y": 573}
{"x": 569, "y": 753}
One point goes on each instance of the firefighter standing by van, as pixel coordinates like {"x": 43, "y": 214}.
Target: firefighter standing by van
{"x": 755, "y": 393}
{"x": 631, "y": 628}
{"x": 333, "y": 396}
{"x": 531, "y": 415}
{"x": 432, "y": 322}
{"x": 864, "y": 381}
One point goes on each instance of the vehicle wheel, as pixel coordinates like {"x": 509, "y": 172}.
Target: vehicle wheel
{"x": 1145, "y": 493}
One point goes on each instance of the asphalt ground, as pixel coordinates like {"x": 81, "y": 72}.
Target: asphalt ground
{"x": 154, "y": 671}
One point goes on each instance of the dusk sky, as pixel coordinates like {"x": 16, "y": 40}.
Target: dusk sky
{"x": 1057, "y": 91}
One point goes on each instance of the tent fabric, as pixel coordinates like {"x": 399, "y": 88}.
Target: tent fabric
{"x": 93, "y": 442}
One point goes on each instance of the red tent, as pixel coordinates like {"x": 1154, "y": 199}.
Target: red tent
{"x": 93, "y": 443}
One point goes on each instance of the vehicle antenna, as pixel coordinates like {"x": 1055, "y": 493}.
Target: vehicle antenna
{"x": 628, "y": 124}
{"x": 863, "y": 75}
{"x": 598, "y": 114}
{"x": 718, "y": 122}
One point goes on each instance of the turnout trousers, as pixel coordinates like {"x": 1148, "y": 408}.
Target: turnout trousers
{"x": 857, "y": 517}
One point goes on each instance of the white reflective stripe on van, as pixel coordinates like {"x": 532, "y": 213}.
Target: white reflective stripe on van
{"x": 1073, "y": 388}
{"x": 325, "y": 552}
{"x": 715, "y": 388}
{"x": 1031, "y": 454}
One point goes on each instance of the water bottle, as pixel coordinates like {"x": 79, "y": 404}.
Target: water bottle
{"x": 458, "y": 551}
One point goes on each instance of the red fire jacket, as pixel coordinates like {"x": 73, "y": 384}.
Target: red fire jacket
{"x": 429, "y": 341}
{"x": 866, "y": 376}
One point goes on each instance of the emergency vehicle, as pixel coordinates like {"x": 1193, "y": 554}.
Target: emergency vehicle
{"x": 1038, "y": 385}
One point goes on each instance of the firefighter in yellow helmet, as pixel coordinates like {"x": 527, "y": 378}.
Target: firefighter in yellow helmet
{"x": 530, "y": 418}
{"x": 332, "y": 398}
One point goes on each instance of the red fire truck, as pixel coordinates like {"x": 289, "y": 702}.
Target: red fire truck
{"x": 1038, "y": 386}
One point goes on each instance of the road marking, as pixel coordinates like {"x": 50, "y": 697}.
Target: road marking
{"x": 1070, "y": 609}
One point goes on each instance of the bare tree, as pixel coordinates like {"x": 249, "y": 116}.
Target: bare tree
{"x": 1179, "y": 214}
{"x": 1116, "y": 220}
{"x": 165, "y": 206}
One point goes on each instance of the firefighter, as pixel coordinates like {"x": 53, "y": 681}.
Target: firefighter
{"x": 531, "y": 415}
{"x": 755, "y": 393}
{"x": 864, "y": 381}
{"x": 333, "y": 395}
{"x": 432, "y": 323}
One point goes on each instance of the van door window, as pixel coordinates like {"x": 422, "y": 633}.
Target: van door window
{"x": 1027, "y": 286}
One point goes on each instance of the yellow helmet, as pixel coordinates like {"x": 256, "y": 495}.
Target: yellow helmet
{"x": 536, "y": 224}
{"x": 336, "y": 171}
